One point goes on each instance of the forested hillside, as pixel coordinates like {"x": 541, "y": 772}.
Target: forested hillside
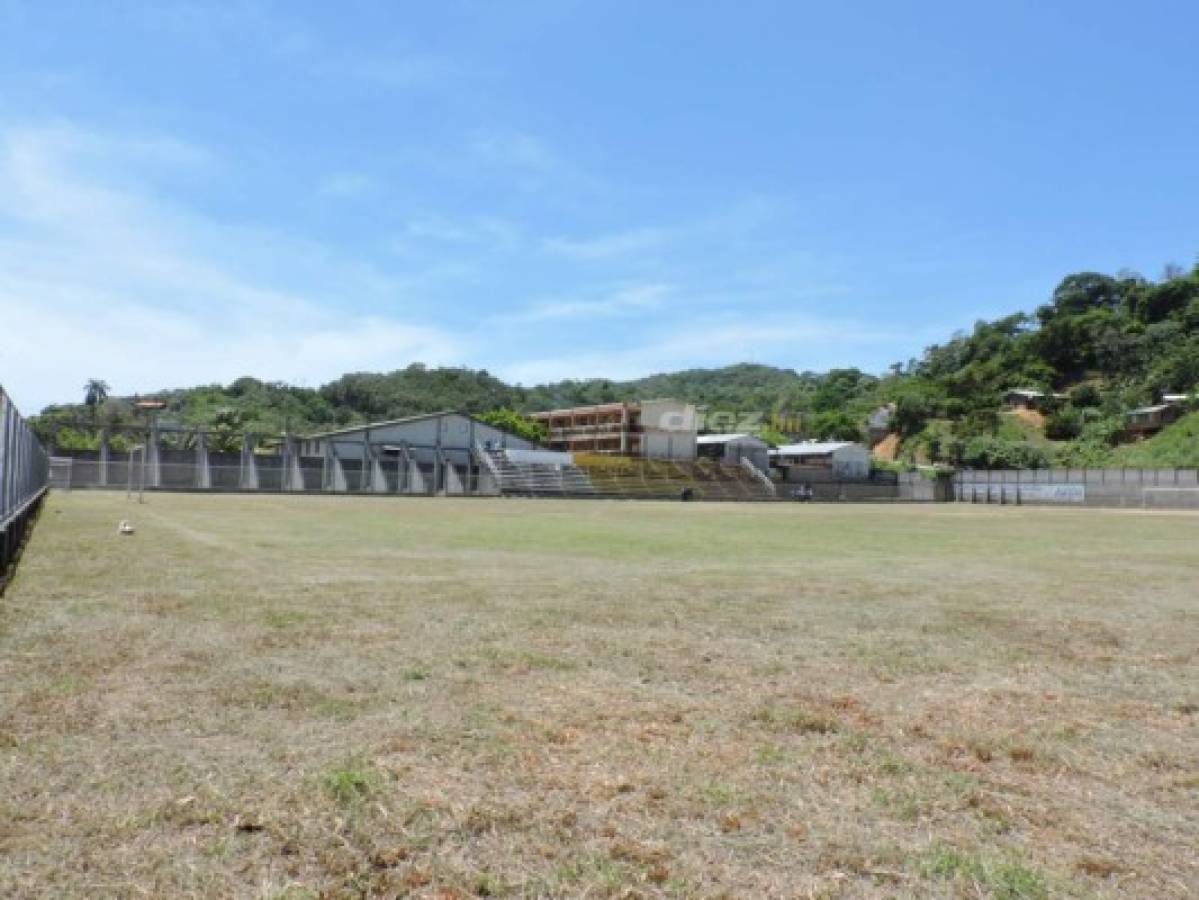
{"x": 1111, "y": 343}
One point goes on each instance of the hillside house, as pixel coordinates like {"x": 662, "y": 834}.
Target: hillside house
{"x": 1028, "y": 398}
{"x": 1151, "y": 419}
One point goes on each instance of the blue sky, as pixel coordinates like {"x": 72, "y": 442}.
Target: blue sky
{"x": 194, "y": 191}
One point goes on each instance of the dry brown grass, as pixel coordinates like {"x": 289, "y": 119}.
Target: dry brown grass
{"x": 301, "y": 697}
{"x": 1034, "y": 418}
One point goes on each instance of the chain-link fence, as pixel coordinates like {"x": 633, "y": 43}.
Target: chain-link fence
{"x": 24, "y": 475}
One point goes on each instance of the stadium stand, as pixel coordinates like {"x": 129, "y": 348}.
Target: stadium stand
{"x": 596, "y": 475}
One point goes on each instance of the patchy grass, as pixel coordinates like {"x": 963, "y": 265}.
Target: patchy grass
{"x": 334, "y": 697}
{"x": 350, "y": 783}
{"x": 1003, "y": 879}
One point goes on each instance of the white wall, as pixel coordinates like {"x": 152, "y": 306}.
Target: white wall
{"x": 668, "y": 429}
{"x": 852, "y": 461}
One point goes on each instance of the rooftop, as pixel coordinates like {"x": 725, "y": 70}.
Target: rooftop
{"x": 352, "y": 429}
{"x": 811, "y": 448}
{"x": 578, "y": 410}
{"x": 1031, "y": 394}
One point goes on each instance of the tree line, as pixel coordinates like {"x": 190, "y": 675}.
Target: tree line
{"x": 1110, "y": 342}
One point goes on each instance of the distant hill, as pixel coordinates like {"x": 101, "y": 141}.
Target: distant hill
{"x": 1111, "y": 342}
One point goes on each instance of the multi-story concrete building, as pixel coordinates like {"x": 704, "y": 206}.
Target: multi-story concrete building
{"x": 661, "y": 429}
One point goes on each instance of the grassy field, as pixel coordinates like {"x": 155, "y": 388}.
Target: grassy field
{"x": 301, "y": 697}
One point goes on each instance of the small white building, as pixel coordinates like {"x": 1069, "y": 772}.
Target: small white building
{"x": 1028, "y": 398}
{"x": 844, "y": 458}
{"x": 732, "y": 448}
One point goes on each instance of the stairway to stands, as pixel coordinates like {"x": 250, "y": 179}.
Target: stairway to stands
{"x": 704, "y": 479}
{"x": 540, "y": 479}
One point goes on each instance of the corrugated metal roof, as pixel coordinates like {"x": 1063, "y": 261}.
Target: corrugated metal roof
{"x": 1149, "y": 409}
{"x": 721, "y": 438}
{"x": 811, "y": 448}
{"x": 1030, "y": 394}
{"x": 406, "y": 420}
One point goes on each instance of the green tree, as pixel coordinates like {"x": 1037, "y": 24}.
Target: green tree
{"x": 226, "y": 430}
{"x": 772, "y": 436}
{"x": 95, "y": 392}
{"x": 512, "y": 421}
{"x": 1064, "y": 424}
{"x": 835, "y": 426}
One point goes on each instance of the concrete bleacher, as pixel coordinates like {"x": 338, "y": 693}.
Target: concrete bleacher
{"x": 525, "y": 478}
{"x": 625, "y": 477}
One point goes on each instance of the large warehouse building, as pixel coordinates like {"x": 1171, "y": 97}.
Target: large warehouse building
{"x": 432, "y": 453}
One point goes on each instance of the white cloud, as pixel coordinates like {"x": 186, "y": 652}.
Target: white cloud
{"x": 524, "y": 161}
{"x": 515, "y": 149}
{"x": 802, "y": 341}
{"x": 98, "y": 278}
{"x": 280, "y": 32}
{"x": 620, "y": 243}
{"x": 625, "y": 301}
{"x": 400, "y": 70}
{"x": 487, "y": 232}
{"x": 347, "y": 184}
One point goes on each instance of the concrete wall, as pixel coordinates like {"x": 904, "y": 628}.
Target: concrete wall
{"x": 855, "y": 491}
{"x": 667, "y": 445}
{"x": 755, "y": 450}
{"x": 184, "y": 470}
{"x": 668, "y": 429}
{"x": 852, "y": 461}
{"x": 1140, "y": 488}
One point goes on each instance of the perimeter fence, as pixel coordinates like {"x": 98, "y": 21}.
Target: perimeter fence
{"x": 24, "y": 477}
{"x": 1138, "y": 488}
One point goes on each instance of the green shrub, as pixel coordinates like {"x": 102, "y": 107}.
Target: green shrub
{"x": 513, "y": 422}
{"x": 1064, "y": 425}
{"x": 995, "y": 453}
{"x": 1084, "y": 395}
